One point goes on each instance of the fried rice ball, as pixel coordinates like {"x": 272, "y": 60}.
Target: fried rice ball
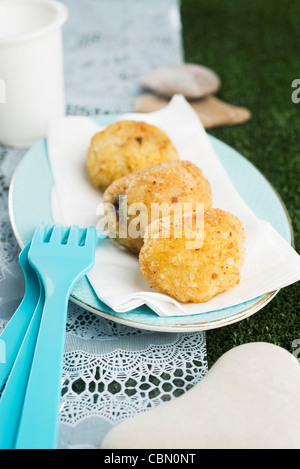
{"x": 124, "y": 147}
{"x": 193, "y": 268}
{"x": 153, "y": 192}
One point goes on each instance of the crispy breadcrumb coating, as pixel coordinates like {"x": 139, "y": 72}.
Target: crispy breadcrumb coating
{"x": 163, "y": 189}
{"x": 194, "y": 274}
{"x": 124, "y": 147}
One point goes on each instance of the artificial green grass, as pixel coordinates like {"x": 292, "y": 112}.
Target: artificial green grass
{"x": 254, "y": 46}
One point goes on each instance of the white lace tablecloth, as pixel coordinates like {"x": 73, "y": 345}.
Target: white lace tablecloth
{"x": 111, "y": 371}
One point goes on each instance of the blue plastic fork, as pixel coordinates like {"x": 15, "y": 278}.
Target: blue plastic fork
{"x": 15, "y": 330}
{"x": 60, "y": 258}
{"x": 12, "y": 398}
{"x": 15, "y": 371}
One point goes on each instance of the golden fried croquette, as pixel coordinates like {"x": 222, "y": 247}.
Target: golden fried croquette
{"x": 124, "y": 147}
{"x": 194, "y": 274}
{"x": 151, "y": 193}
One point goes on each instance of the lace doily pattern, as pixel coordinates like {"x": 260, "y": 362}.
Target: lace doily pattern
{"x": 89, "y": 326}
{"x": 118, "y": 384}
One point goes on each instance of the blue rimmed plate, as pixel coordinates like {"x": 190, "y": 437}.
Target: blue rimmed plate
{"x": 30, "y": 202}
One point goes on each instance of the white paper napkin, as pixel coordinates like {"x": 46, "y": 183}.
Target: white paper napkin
{"x": 270, "y": 264}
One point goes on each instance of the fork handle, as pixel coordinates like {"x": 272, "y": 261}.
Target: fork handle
{"x": 13, "y": 335}
{"x": 38, "y": 427}
{"x": 12, "y": 398}
{"x": 14, "y": 332}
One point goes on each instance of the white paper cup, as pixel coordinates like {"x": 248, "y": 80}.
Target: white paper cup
{"x": 31, "y": 69}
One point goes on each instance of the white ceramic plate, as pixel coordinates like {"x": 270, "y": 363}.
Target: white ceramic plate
{"x": 30, "y": 202}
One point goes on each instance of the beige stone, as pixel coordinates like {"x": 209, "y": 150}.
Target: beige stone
{"x": 190, "y": 80}
{"x": 249, "y": 399}
{"x": 212, "y": 111}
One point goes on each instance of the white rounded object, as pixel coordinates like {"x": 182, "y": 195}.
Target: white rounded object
{"x": 248, "y": 400}
{"x": 31, "y": 69}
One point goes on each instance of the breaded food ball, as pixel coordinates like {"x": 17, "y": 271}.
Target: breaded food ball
{"x": 124, "y": 147}
{"x": 187, "y": 270}
{"x": 159, "y": 190}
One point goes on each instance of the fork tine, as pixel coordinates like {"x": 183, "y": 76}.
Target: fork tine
{"x": 90, "y": 238}
{"x": 82, "y": 236}
{"x": 73, "y": 236}
{"x": 40, "y": 232}
{"x": 65, "y": 236}
{"x": 48, "y": 233}
{"x": 56, "y": 234}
